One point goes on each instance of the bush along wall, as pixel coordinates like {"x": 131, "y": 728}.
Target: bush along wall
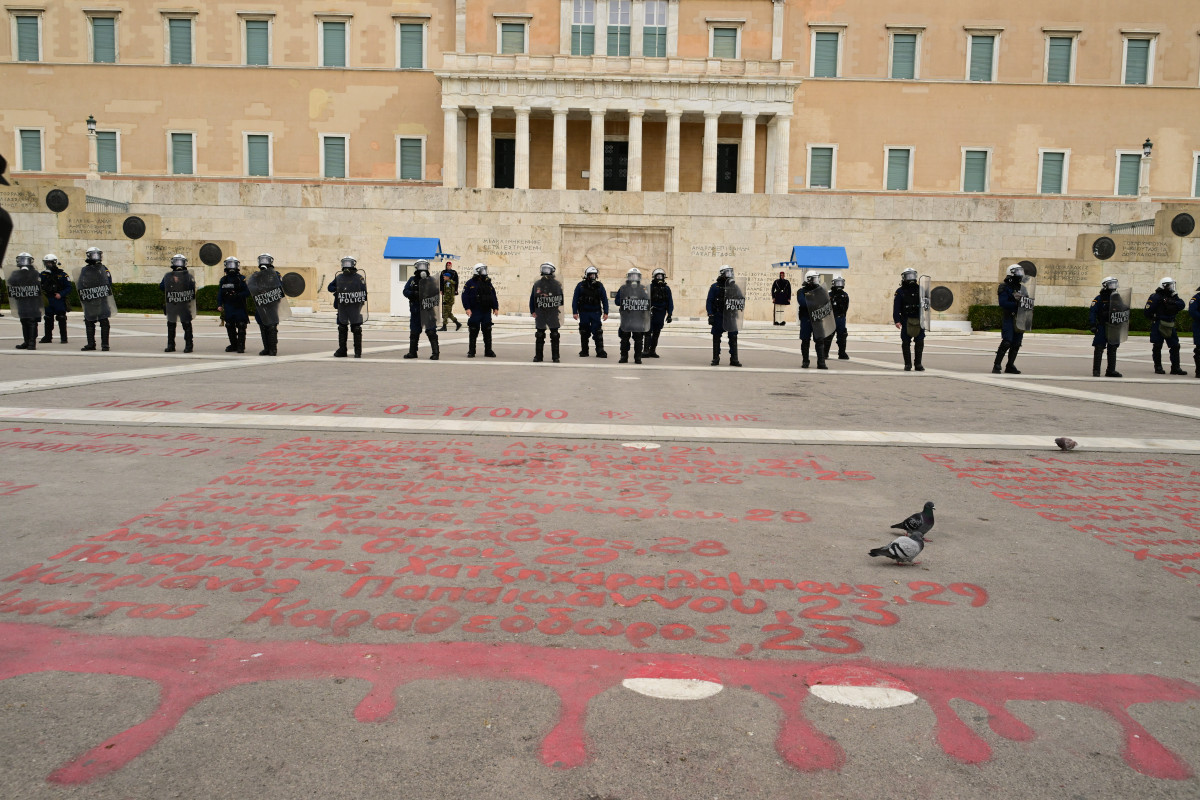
{"x": 148, "y": 297}
{"x": 987, "y": 318}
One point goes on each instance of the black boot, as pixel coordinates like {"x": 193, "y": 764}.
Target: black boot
{"x": 265, "y": 331}
{"x": 487, "y": 342}
{"x": 716, "y": 359}
{"x": 90, "y": 331}
{"x": 62, "y": 328}
{"x": 1111, "y": 372}
{"x": 624, "y": 359}
{"x": 231, "y": 332}
{"x": 1196, "y": 359}
{"x": 24, "y": 345}
{"x": 583, "y": 342}
{"x": 170, "y": 338}
{"x": 1012, "y": 356}
{"x": 1175, "y": 369}
{"x": 651, "y": 349}
{"x": 241, "y": 336}
{"x": 414, "y": 337}
{"x": 999, "y": 357}
{"x": 273, "y": 338}
{"x": 473, "y": 333}
{"x": 357, "y": 332}
{"x": 187, "y": 337}
{"x": 1097, "y": 358}
{"x": 804, "y": 353}
{"x": 600, "y": 352}
{"x": 841, "y": 344}
{"x": 343, "y": 336}
{"x": 917, "y": 351}
{"x": 104, "y": 335}
{"x": 443, "y": 325}
{"x": 49, "y": 330}
{"x": 906, "y": 348}
{"x": 435, "y": 350}
{"x": 637, "y": 348}
{"x": 733, "y": 359}
{"x": 822, "y": 352}
{"x": 554, "y": 346}
{"x": 31, "y": 334}
{"x": 1156, "y": 354}
{"x": 539, "y": 345}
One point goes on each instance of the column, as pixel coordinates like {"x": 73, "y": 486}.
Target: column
{"x": 783, "y": 134}
{"x": 521, "y": 176}
{"x": 596, "y": 164}
{"x": 634, "y": 168}
{"x": 450, "y": 147}
{"x": 558, "y": 160}
{"x": 637, "y": 21}
{"x": 484, "y": 173}
{"x": 1144, "y": 178}
{"x": 565, "y": 12}
{"x": 746, "y": 154}
{"x": 671, "y": 168}
{"x": 708, "y": 169}
{"x": 777, "y": 30}
{"x": 672, "y": 28}
{"x": 460, "y": 26}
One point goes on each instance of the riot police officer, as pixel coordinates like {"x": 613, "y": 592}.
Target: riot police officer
{"x": 840, "y": 301}
{"x": 589, "y": 306}
{"x": 634, "y": 303}
{"x": 56, "y": 288}
{"x": 546, "y": 306}
{"x": 1099, "y": 316}
{"x": 1009, "y": 295}
{"x": 424, "y": 297}
{"x": 231, "y": 302}
{"x": 906, "y": 314}
{"x": 25, "y": 299}
{"x": 266, "y": 287}
{"x": 349, "y": 290}
{"x": 662, "y": 309}
{"x": 725, "y": 305}
{"x": 480, "y": 301}
{"x": 179, "y": 301}
{"x": 1194, "y": 313}
{"x": 806, "y": 327}
{"x": 94, "y": 284}
{"x": 1161, "y": 309}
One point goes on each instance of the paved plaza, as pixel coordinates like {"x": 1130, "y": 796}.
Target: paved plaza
{"x": 312, "y": 577}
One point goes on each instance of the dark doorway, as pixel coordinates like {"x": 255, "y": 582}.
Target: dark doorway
{"x": 504, "y": 162}
{"x": 616, "y": 166}
{"x": 727, "y": 168}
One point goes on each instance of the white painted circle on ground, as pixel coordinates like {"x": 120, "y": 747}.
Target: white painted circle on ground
{"x": 641, "y": 446}
{"x": 864, "y": 696}
{"x": 625, "y": 378}
{"x": 673, "y": 688}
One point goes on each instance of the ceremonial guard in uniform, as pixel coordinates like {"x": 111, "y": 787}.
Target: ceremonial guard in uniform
{"x": 589, "y": 306}
{"x": 270, "y": 306}
{"x": 349, "y": 290}
{"x": 25, "y": 299}
{"x": 449, "y": 288}
{"x": 1109, "y": 318}
{"x": 662, "y": 308}
{"x": 839, "y": 299}
{"x": 179, "y": 301}
{"x": 94, "y": 283}
{"x": 1161, "y": 309}
{"x": 480, "y": 301}
{"x": 907, "y": 313}
{"x": 56, "y": 288}
{"x": 781, "y": 296}
{"x": 1015, "y": 296}
{"x": 231, "y": 298}
{"x": 424, "y": 298}
{"x": 546, "y": 306}
{"x": 725, "y": 306}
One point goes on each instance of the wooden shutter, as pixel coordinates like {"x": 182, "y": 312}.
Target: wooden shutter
{"x": 904, "y": 56}
{"x": 1137, "y": 61}
{"x": 1058, "y": 60}
{"x": 618, "y": 40}
{"x": 820, "y": 170}
{"x": 335, "y": 156}
{"x": 106, "y": 151}
{"x": 27, "y": 39}
{"x": 180, "y": 40}
{"x": 975, "y": 168}
{"x": 897, "y": 170}
{"x": 31, "y": 151}
{"x": 1052, "y": 173}
{"x": 333, "y": 45}
{"x": 181, "y": 154}
{"x": 1130, "y": 175}
{"x": 654, "y": 42}
{"x": 583, "y": 40}
{"x": 512, "y": 37}
{"x": 411, "y": 159}
{"x": 258, "y": 46}
{"x": 412, "y": 46}
{"x": 104, "y": 40}
{"x": 825, "y": 57}
{"x": 724, "y": 43}
{"x": 258, "y": 154}
{"x": 983, "y": 49}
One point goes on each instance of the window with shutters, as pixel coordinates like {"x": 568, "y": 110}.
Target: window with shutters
{"x": 976, "y": 165}
{"x": 258, "y": 154}
{"x": 179, "y": 40}
{"x": 1129, "y": 173}
{"x": 29, "y": 149}
{"x": 826, "y": 54}
{"x": 1139, "y": 61}
{"x": 411, "y": 41}
{"x": 182, "y": 152}
{"x": 104, "y": 39}
{"x": 583, "y": 27}
{"x": 512, "y": 37}
{"x": 981, "y": 56}
{"x": 258, "y": 41}
{"x": 899, "y": 169}
{"x": 1052, "y": 172}
{"x": 822, "y": 166}
{"x": 618, "y": 27}
{"x": 108, "y": 153}
{"x": 1060, "y": 59}
{"x": 410, "y": 158}
{"x": 724, "y": 42}
{"x": 29, "y": 37}
{"x": 333, "y": 155}
{"x": 334, "y": 34}
{"x": 905, "y": 49}
{"x": 654, "y": 29}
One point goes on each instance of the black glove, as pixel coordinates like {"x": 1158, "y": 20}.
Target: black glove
{"x": 711, "y": 320}
{"x": 668, "y": 318}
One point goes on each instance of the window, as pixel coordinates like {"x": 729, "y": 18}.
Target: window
{"x": 108, "y": 154}
{"x": 975, "y": 170}
{"x": 179, "y": 40}
{"x": 1139, "y": 61}
{"x": 512, "y": 37}
{"x": 899, "y": 169}
{"x": 410, "y": 158}
{"x": 333, "y": 156}
{"x": 1053, "y": 171}
{"x": 1060, "y": 59}
{"x": 1196, "y": 176}
{"x": 258, "y": 42}
{"x": 104, "y": 40}
{"x": 258, "y": 154}
{"x": 1129, "y": 173}
{"x": 821, "y": 166}
{"x": 30, "y": 141}
{"x": 29, "y": 37}
{"x": 583, "y": 28}
{"x": 826, "y": 54}
{"x": 411, "y": 36}
{"x": 981, "y": 57}
{"x": 724, "y": 42}
{"x": 333, "y": 43}
{"x": 183, "y": 153}
{"x": 654, "y": 30}
{"x": 904, "y": 56}
{"x": 618, "y": 27}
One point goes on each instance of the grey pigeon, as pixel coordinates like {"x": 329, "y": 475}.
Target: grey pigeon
{"x": 1065, "y": 444}
{"x": 903, "y": 549}
{"x": 921, "y": 522}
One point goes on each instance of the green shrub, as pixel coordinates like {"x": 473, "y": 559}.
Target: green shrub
{"x": 987, "y": 318}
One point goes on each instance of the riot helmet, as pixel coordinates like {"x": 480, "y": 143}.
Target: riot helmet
{"x": 232, "y": 264}
{"x": 50, "y": 261}
{"x": 839, "y": 282}
{"x": 350, "y": 264}
{"x": 24, "y": 260}
{"x": 633, "y": 276}
{"x": 178, "y": 261}
{"x": 420, "y": 268}
{"x": 547, "y": 268}
{"x": 726, "y": 272}
{"x": 1168, "y": 284}
{"x": 266, "y": 261}
{"x": 658, "y": 275}
{"x": 811, "y": 277}
{"x": 1016, "y": 271}
{"x": 481, "y": 270}
{"x": 94, "y": 255}
{"x": 591, "y": 274}
{"x": 908, "y": 276}
{"x": 1109, "y": 283}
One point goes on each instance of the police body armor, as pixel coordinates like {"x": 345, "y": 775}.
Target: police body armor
{"x": 350, "y": 293}
{"x": 548, "y": 303}
{"x": 25, "y": 293}
{"x": 266, "y": 287}
{"x": 95, "y": 292}
{"x": 179, "y": 296}
{"x": 635, "y": 308}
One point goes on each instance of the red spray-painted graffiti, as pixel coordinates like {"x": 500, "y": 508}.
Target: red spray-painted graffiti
{"x": 190, "y": 670}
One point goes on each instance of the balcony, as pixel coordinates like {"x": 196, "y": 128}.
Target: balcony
{"x": 490, "y": 64}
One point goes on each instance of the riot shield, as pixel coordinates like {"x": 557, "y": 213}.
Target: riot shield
{"x": 350, "y": 290}
{"x": 926, "y": 309}
{"x": 25, "y": 293}
{"x": 735, "y": 307}
{"x": 1116, "y": 328}
{"x": 820, "y": 311}
{"x": 179, "y": 295}
{"x": 95, "y": 292}
{"x": 430, "y": 292}
{"x": 1025, "y": 301}
{"x": 548, "y": 303}
{"x": 635, "y": 308}
{"x": 266, "y": 287}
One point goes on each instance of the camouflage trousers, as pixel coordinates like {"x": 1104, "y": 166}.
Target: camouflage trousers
{"x": 448, "y": 309}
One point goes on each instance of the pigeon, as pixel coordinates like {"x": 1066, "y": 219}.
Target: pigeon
{"x": 1065, "y": 444}
{"x": 903, "y": 549}
{"x": 921, "y": 522}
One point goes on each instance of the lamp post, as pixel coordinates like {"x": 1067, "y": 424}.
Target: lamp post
{"x": 1144, "y": 187}
{"x": 93, "y": 155}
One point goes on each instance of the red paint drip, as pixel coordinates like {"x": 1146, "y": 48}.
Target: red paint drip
{"x": 190, "y": 670}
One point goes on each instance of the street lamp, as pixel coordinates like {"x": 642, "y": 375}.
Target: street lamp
{"x": 93, "y": 151}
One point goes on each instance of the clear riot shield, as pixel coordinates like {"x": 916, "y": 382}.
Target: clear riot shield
{"x": 820, "y": 311}
{"x": 635, "y": 308}
{"x": 25, "y": 293}
{"x": 926, "y": 309}
{"x": 735, "y": 307}
{"x": 1025, "y": 301}
{"x": 266, "y": 287}
{"x": 95, "y": 292}
{"x": 1116, "y": 328}
{"x": 350, "y": 290}
{"x": 430, "y": 290}
{"x": 548, "y": 303}
{"x": 179, "y": 295}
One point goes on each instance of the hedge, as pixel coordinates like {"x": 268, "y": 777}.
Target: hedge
{"x": 987, "y": 318}
{"x": 141, "y": 297}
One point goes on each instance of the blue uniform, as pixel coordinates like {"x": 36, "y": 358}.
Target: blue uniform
{"x": 714, "y": 306}
{"x": 1010, "y": 305}
{"x": 56, "y": 281}
{"x": 840, "y": 300}
{"x": 662, "y": 305}
{"x": 590, "y": 303}
{"x": 802, "y": 312}
{"x": 478, "y": 297}
{"x": 1098, "y": 319}
{"x": 232, "y": 296}
{"x": 1194, "y": 313}
{"x": 1161, "y": 309}
{"x": 906, "y": 308}
{"x": 412, "y": 290}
